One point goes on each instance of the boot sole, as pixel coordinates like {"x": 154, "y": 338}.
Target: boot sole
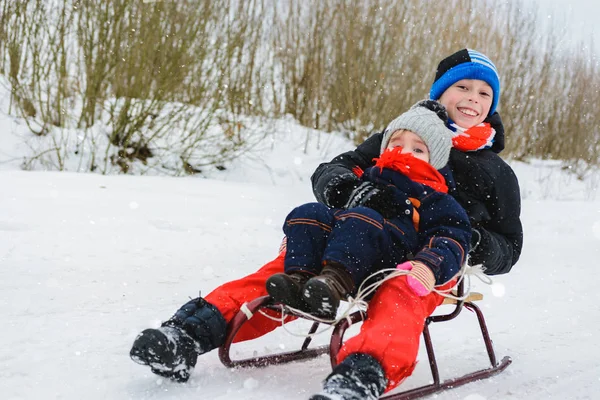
{"x": 320, "y": 299}
{"x": 283, "y": 291}
{"x": 150, "y": 347}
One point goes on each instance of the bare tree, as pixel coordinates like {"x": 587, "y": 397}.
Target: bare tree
{"x": 133, "y": 86}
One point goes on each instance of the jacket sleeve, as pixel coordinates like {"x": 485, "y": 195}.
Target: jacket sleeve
{"x": 488, "y": 189}
{"x": 502, "y": 235}
{"x": 446, "y": 232}
{"x": 344, "y": 164}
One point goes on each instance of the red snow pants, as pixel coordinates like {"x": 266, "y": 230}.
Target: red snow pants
{"x": 229, "y": 297}
{"x": 391, "y": 332}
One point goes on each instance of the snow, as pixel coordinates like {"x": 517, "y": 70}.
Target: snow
{"x": 88, "y": 261}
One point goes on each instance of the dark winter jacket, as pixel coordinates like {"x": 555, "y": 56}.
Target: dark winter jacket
{"x": 480, "y": 181}
{"x": 443, "y": 231}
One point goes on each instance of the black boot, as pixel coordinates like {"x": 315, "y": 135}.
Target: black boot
{"x": 358, "y": 377}
{"x": 168, "y": 351}
{"x": 287, "y": 289}
{"x": 172, "y": 350}
{"x": 323, "y": 293}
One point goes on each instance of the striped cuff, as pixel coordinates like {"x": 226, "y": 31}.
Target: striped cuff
{"x": 421, "y": 279}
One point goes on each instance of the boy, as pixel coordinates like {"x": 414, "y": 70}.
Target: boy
{"x": 383, "y": 353}
{"x": 331, "y": 251}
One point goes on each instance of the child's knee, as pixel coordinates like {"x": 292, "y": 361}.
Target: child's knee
{"x": 364, "y": 218}
{"x": 312, "y": 211}
{"x": 368, "y": 212}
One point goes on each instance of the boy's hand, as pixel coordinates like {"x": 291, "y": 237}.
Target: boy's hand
{"x": 339, "y": 189}
{"x": 384, "y": 202}
{"x": 420, "y": 278}
{"x": 347, "y": 191}
{"x": 361, "y": 194}
{"x": 379, "y": 198}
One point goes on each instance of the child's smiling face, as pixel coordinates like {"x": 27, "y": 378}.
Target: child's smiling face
{"x": 468, "y": 102}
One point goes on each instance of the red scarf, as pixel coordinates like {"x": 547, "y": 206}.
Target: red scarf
{"x": 415, "y": 169}
{"x": 474, "y": 138}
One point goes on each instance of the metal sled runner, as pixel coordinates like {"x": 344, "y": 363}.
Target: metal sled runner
{"x": 337, "y": 340}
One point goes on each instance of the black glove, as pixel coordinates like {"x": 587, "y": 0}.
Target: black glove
{"x": 347, "y": 191}
{"x": 338, "y": 190}
{"x": 379, "y": 198}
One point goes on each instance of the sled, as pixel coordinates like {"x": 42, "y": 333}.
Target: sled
{"x": 338, "y": 335}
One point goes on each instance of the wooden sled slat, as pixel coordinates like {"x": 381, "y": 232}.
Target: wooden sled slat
{"x": 473, "y": 296}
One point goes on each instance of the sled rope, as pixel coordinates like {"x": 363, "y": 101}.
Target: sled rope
{"x": 467, "y": 271}
{"x": 357, "y": 302}
{"x": 366, "y": 289}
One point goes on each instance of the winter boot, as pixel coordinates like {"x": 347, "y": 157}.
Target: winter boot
{"x": 287, "y": 289}
{"x": 169, "y": 351}
{"x": 324, "y": 292}
{"x": 358, "y": 377}
{"x": 172, "y": 350}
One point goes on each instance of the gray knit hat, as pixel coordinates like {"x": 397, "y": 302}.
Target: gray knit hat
{"x": 427, "y": 119}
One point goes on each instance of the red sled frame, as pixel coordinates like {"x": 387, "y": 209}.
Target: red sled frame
{"x": 337, "y": 340}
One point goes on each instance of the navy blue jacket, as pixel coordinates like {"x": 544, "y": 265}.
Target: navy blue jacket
{"x": 485, "y": 186}
{"x": 442, "y": 239}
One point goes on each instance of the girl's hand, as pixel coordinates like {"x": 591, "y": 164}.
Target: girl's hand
{"x": 420, "y": 278}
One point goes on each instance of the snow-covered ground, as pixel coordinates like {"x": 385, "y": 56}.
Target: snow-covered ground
{"x": 87, "y": 261}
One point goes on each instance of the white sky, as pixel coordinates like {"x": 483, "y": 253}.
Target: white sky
{"x": 578, "y": 17}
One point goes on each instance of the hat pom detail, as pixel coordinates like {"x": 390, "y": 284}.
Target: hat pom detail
{"x": 437, "y": 107}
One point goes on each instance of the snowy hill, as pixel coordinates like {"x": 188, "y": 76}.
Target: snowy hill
{"x": 87, "y": 261}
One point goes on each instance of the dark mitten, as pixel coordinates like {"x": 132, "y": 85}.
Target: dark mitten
{"x": 361, "y": 194}
{"x": 379, "y": 198}
{"x": 337, "y": 192}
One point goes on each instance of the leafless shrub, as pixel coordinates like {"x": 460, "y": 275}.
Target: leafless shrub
{"x": 133, "y": 86}
{"x": 355, "y": 65}
{"x": 112, "y": 82}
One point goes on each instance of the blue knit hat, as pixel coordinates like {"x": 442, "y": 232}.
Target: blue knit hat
{"x": 466, "y": 64}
